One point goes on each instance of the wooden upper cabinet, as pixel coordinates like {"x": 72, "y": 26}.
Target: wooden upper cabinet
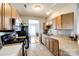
{"x": 58, "y": 22}
{"x": 7, "y": 10}
{"x": 54, "y": 23}
{"x": 7, "y": 22}
{"x": 0, "y": 16}
{"x": 65, "y": 21}
{"x": 68, "y": 21}
{"x": 14, "y": 13}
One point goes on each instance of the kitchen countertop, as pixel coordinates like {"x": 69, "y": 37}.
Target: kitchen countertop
{"x": 11, "y": 49}
{"x": 66, "y": 44}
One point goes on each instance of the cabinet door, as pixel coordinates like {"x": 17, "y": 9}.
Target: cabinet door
{"x": 51, "y": 45}
{"x": 7, "y": 17}
{"x": 67, "y": 21}
{"x": 56, "y": 47}
{"x": 54, "y": 23}
{"x": 13, "y": 13}
{"x": 58, "y": 22}
{"x": 0, "y": 16}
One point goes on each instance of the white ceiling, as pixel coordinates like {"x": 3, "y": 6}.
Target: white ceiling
{"x": 29, "y": 11}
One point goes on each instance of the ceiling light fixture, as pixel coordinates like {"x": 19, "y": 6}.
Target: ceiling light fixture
{"x": 37, "y": 7}
{"x": 48, "y": 13}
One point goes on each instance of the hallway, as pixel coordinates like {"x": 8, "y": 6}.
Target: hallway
{"x": 37, "y": 49}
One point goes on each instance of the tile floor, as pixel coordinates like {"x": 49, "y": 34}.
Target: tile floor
{"x": 37, "y": 49}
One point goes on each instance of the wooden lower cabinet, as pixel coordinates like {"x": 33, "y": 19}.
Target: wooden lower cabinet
{"x": 56, "y": 47}
{"x": 47, "y": 43}
{"x": 52, "y": 44}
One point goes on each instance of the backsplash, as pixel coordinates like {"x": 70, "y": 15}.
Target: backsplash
{"x": 63, "y": 32}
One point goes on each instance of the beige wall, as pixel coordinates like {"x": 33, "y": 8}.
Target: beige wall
{"x": 25, "y": 19}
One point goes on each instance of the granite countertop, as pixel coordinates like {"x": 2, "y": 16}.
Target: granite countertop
{"x": 66, "y": 44}
{"x": 11, "y": 49}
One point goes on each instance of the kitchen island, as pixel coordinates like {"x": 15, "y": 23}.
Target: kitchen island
{"x": 67, "y": 47}
{"x": 11, "y": 50}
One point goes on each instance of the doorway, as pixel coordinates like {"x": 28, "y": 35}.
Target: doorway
{"x": 34, "y": 31}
